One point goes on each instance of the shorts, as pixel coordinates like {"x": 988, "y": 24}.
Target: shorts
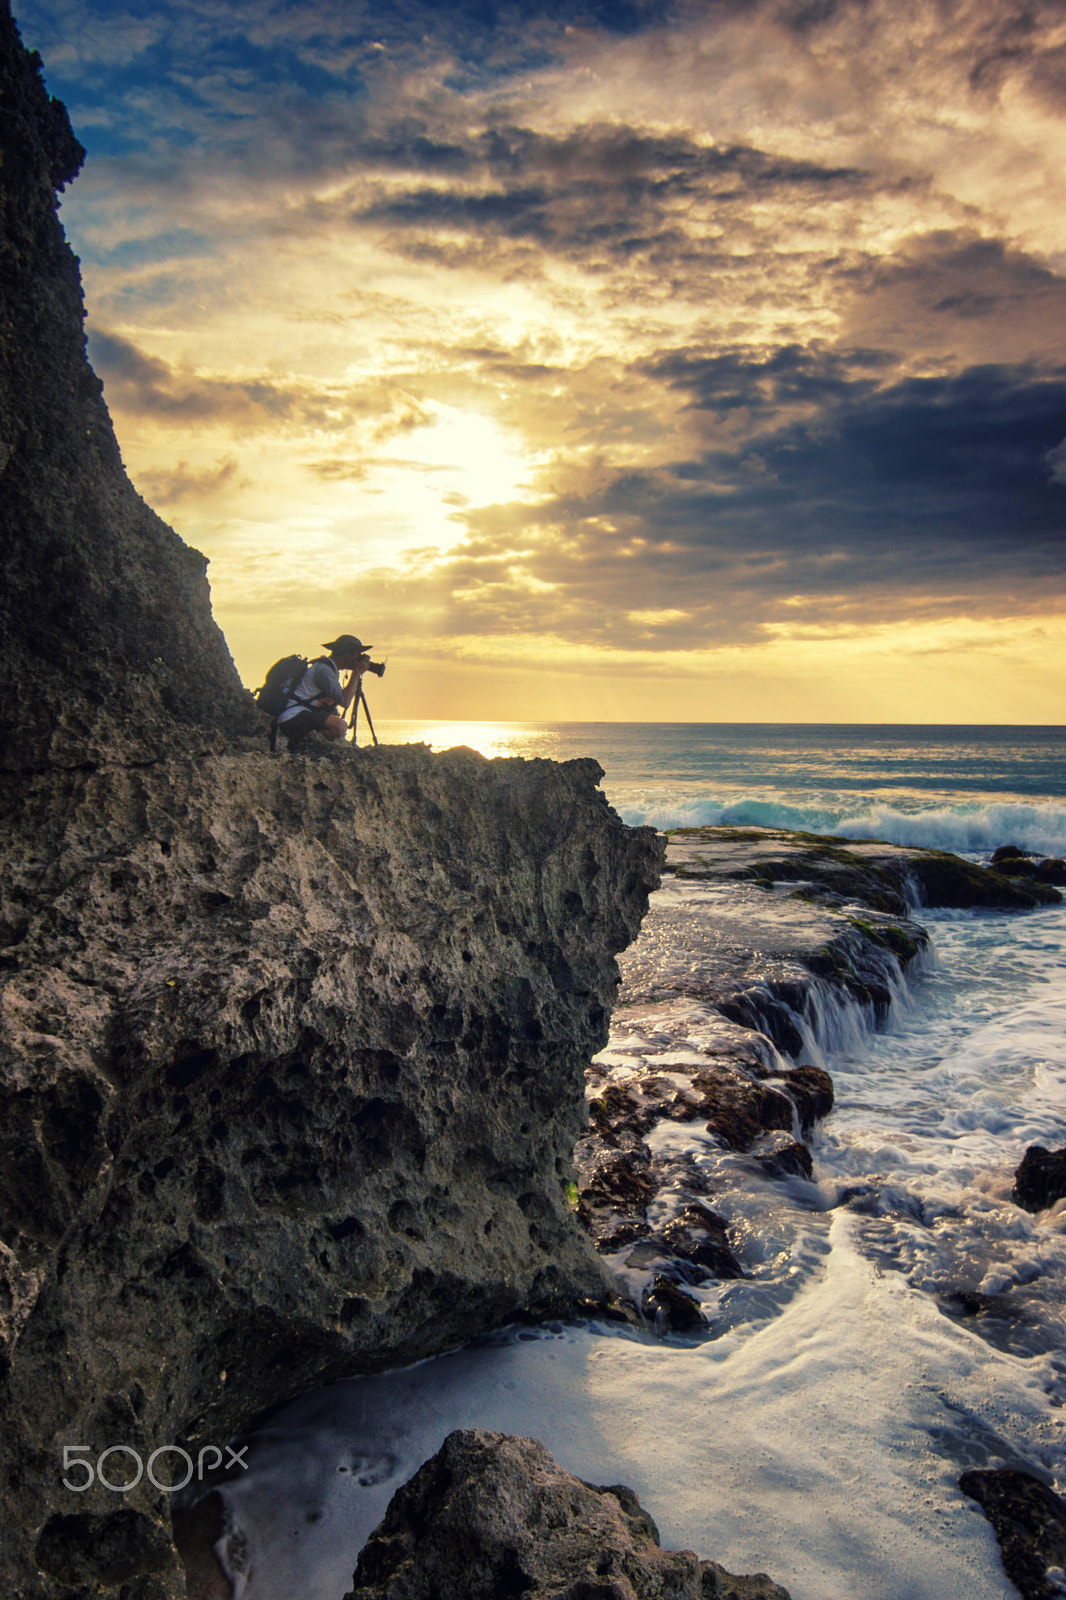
{"x": 295, "y": 729}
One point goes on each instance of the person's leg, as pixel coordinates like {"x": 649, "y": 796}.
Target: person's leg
{"x": 295, "y": 729}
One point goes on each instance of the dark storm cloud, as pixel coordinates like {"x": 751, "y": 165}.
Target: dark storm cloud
{"x": 791, "y": 375}
{"x": 928, "y": 496}
{"x": 599, "y": 186}
{"x": 949, "y": 474}
{"x": 958, "y": 295}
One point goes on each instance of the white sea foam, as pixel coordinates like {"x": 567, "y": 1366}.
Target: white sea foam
{"x": 824, "y": 1447}
{"x": 971, "y": 828}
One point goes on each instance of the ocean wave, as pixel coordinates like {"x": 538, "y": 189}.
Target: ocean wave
{"x": 967, "y": 829}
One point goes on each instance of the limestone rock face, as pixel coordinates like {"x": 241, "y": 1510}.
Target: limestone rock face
{"x": 291, "y": 1066}
{"x": 106, "y": 635}
{"x": 491, "y": 1516}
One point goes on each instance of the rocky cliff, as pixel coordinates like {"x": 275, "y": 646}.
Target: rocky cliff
{"x": 291, "y": 1051}
{"x": 107, "y": 642}
{"x": 292, "y": 1073}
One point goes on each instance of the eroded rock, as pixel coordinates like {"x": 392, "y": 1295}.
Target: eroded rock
{"x": 291, "y": 1069}
{"x": 493, "y": 1517}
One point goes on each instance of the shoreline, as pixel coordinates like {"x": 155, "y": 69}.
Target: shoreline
{"x": 505, "y": 1379}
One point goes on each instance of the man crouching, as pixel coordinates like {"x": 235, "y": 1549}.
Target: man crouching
{"x": 319, "y": 701}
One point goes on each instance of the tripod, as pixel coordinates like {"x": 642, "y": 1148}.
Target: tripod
{"x": 356, "y": 698}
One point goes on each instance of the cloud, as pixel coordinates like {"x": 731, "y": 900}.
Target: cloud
{"x": 181, "y": 483}
{"x": 1056, "y": 461}
{"x": 920, "y": 497}
{"x": 710, "y": 323}
{"x": 141, "y": 383}
{"x": 958, "y": 295}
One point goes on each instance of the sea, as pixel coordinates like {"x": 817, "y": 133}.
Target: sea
{"x": 902, "y": 1321}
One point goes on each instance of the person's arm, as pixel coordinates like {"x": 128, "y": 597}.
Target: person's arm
{"x": 351, "y": 688}
{"x": 328, "y": 683}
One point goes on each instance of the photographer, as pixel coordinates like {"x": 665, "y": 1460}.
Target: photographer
{"x": 318, "y": 702}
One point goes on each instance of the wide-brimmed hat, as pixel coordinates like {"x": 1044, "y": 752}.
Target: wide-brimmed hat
{"x": 348, "y": 645}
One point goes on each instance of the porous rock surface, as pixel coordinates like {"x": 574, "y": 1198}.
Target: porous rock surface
{"x": 493, "y": 1517}
{"x": 1029, "y": 1521}
{"x": 292, "y": 1063}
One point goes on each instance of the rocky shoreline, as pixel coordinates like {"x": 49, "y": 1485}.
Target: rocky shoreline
{"x": 292, "y": 1052}
{"x": 757, "y": 939}
{"x": 292, "y": 1064}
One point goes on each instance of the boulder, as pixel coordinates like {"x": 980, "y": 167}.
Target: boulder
{"x": 1040, "y": 1179}
{"x": 493, "y": 1517}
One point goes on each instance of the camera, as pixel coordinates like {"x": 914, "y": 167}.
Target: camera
{"x": 376, "y": 667}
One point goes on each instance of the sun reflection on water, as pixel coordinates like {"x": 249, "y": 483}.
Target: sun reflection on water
{"x": 489, "y": 738}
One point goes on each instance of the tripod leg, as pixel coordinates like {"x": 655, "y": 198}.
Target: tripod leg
{"x": 355, "y": 711}
{"x": 361, "y": 696}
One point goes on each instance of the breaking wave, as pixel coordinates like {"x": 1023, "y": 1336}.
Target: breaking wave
{"x": 969, "y": 829}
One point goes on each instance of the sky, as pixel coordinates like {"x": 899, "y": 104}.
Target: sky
{"x": 690, "y": 360}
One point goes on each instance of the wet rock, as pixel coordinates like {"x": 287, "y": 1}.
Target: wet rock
{"x": 811, "y": 1089}
{"x": 834, "y": 871}
{"x": 790, "y": 1161}
{"x": 665, "y": 1304}
{"x": 614, "y": 1189}
{"x": 946, "y": 880}
{"x": 771, "y": 1009}
{"x": 197, "y": 1530}
{"x": 734, "y": 1106}
{"x": 493, "y": 1517}
{"x": 1015, "y": 863}
{"x": 1040, "y": 1180}
{"x": 1029, "y": 1520}
{"x": 698, "y": 1235}
{"x": 1019, "y": 867}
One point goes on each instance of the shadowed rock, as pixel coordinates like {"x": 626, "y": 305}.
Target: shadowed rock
{"x": 291, "y": 1052}
{"x": 291, "y": 1070}
{"x": 1040, "y": 1179}
{"x": 1029, "y": 1520}
{"x": 105, "y": 618}
{"x": 492, "y": 1517}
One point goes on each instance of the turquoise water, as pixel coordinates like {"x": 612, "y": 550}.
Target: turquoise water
{"x": 957, "y": 788}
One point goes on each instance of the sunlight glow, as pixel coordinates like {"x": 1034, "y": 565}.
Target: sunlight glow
{"x": 471, "y": 458}
{"x": 489, "y": 738}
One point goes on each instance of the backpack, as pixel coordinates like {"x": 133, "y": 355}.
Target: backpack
{"x": 279, "y": 684}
